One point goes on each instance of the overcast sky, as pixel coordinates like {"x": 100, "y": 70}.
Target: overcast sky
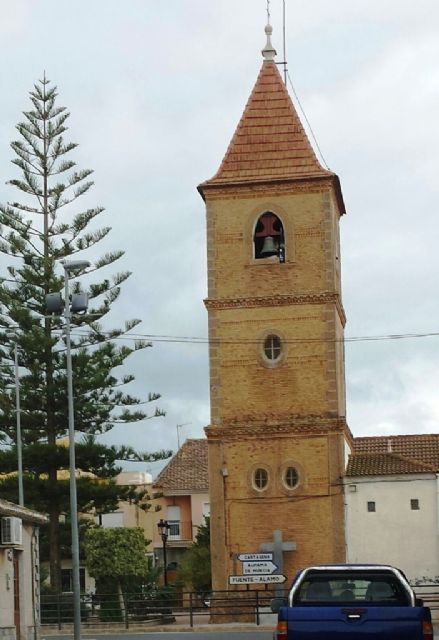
{"x": 156, "y": 90}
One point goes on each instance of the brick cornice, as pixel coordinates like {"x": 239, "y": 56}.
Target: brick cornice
{"x": 277, "y": 301}
{"x": 255, "y": 188}
{"x": 250, "y": 427}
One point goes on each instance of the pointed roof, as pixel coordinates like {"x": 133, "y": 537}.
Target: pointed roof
{"x": 270, "y": 143}
{"x": 187, "y": 470}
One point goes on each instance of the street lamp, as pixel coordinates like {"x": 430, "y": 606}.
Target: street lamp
{"x": 163, "y": 527}
{"x": 18, "y": 434}
{"x": 18, "y": 423}
{"x": 77, "y": 304}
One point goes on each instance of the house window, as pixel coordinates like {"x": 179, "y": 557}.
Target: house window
{"x": 272, "y": 347}
{"x": 291, "y": 477}
{"x": 174, "y": 521}
{"x": 174, "y": 530}
{"x": 268, "y": 238}
{"x": 113, "y": 519}
{"x": 260, "y": 479}
{"x": 414, "y": 504}
{"x": 371, "y": 507}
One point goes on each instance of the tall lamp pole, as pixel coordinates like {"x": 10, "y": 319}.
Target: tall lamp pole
{"x": 163, "y": 527}
{"x": 18, "y": 422}
{"x": 18, "y": 434}
{"x": 54, "y": 303}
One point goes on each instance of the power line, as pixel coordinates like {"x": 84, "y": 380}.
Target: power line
{"x": 83, "y": 332}
{"x": 307, "y": 121}
{"x": 203, "y": 340}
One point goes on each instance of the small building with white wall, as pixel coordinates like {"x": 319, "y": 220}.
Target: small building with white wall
{"x": 19, "y": 572}
{"x": 391, "y": 504}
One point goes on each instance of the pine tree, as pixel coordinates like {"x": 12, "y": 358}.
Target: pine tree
{"x": 37, "y": 233}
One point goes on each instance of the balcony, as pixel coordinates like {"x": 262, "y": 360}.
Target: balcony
{"x": 180, "y": 534}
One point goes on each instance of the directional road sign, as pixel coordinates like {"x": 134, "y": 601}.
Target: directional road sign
{"x": 254, "y": 567}
{"x": 247, "y": 557}
{"x": 276, "y": 578}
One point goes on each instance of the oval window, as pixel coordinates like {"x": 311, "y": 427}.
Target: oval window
{"x": 291, "y": 477}
{"x": 260, "y": 478}
{"x": 272, "y": 347}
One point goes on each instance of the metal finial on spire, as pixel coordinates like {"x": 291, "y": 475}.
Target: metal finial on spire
{"x": 269, "y": 52}
{"x": 268, "y": 12}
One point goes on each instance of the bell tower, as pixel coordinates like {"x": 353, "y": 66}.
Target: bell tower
{"x": 278, "y": 435}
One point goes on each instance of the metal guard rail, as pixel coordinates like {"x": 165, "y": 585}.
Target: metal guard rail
{"x": 180, "y": 607}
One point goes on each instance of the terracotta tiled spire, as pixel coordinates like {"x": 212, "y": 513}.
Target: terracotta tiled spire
{"x": 270, "y": 142}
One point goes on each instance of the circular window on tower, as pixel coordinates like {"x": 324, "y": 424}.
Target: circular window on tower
{"x": 260, "y": 478}
{"x": 291, "y": 477}
{"x": 272, "y": 350}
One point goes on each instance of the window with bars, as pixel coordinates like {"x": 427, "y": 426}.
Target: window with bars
{"x": 174, "y": 530}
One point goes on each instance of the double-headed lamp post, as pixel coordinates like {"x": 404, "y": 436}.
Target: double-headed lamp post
{"x": 18, "y": 421}
{"x": 18, "y": 434}
{"x": 163, "y": 527}
{"x": 78, "y": 304}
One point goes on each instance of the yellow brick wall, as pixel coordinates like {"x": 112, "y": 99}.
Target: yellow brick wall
{"x": 292, "y": 414}
{"x": 310, "y": 515}
{"x": 310, "y": 222}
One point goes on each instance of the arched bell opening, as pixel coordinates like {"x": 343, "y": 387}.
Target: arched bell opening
{"x": 269, "y": 237}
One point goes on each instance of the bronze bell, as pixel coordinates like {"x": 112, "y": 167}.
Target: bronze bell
{"x": 269, "y": 248}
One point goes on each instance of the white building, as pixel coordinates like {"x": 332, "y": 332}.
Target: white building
{"x": 391, "y": 502}
{"x": 19, "y": 572}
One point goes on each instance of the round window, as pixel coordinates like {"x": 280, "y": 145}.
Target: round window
{"x": 291, "y": 477}
{"x": 272, "y": 347}
{"x": 260, "y": 479}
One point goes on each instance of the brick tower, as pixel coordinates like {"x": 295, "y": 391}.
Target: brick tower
{"x": 278, "y": 437}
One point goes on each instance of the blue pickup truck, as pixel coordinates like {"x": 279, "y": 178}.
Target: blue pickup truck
{"x": 350, "y": 602}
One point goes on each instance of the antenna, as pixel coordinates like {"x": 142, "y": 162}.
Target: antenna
{"x": 178, "y": 427}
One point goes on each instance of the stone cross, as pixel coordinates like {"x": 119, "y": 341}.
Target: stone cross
{"x": 278, "y": 547}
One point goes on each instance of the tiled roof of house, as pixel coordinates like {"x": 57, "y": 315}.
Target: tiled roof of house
{"x": 422, "y": 447}
{"x": 270, "y": 142}
{"x": 187, "y": 470}
{"x": 384, "y": 455}
{"x": 382, "y": 464}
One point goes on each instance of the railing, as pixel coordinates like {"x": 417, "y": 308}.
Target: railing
{"x": 429, "y": 593}
{"x": 188, "y": 608}
{"x": 178, "y": 531}
{"x": 180, "y": 607}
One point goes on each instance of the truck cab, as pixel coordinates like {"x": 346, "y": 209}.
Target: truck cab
{"x": 352, "y": 601}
